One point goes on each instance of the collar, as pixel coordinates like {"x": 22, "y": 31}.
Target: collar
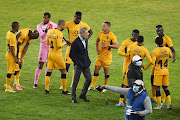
{"x": 139, "y": 92}
{"x": 81, "y": 38}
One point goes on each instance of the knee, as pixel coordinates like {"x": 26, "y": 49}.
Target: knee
{"x": 158, "y": 93}
{"x": 48, "y": 74}
{"x": 8, "y": 75}
{"x": 16, "y": 72}
{"x": 40, "y": 66}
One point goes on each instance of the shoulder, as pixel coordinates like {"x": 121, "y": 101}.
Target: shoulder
{"x": 112, "y": 34}
{"x": 40, "y": 24}
{"x": 69, "y": 22}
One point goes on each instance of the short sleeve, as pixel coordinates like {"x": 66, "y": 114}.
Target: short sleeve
{"x": 169, "y": 42}
{"x": 114, "y": 39}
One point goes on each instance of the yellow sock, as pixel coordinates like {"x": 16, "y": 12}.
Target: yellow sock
{"x": 47, "y": 82}
{"x": 121, "y": 100}
{"x": 159, "y": 100}
{"x": 106, "y": 81}
{"x": 95, "y": 78}
{"x": 17, "y": 77}
{"x": 169, "y": 99}
{"x": 153, "y": 91}
{"x": 163, "y": 96}
{"x": 64, "y": 84}
{"x": 72, "y": 78}
{"x": 8, "y": 81}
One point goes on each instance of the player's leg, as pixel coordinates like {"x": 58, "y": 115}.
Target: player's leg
{"x": 95, "y": 77}
{"x": 47, "y": 80}
{"x": 153, "y": 89}
{"x": 157, "y": 83}
{"x": 106, "y": 72}
{"x": 166, "y": 90}
{"x": 37, "y": 74}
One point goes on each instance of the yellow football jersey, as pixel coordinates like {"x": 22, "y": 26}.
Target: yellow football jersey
{"x": 11, "y": 41}
{"x": 160, "y": 58}
{"x": 140, "y": 50}
{"x": 54, "y": 39}
{"x": 167, "y": 41}
{"x": 105, "y": 54}
{"x": 124, "y": 46}
{"x": 23, "y": 38}
{"x": 74, "y": 29}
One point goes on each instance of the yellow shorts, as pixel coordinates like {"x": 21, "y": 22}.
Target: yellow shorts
{"x": 11, "y": 65}
{"x": 102, "y": 63}
{"x": 67, "y": 58}
{"x": 160, "y": 80}
{"x": 55, "y": 61}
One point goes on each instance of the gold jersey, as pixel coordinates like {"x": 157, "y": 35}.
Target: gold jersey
{"x": 11, "y": 41}
{"x": 74, "y": 29}
{"x": 105, "y": 54}
{"x": 160, "y": 58}
{"x": 54, "y": 39}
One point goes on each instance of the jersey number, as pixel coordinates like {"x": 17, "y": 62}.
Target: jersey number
{"x": 165, "y": 63}
{"x": 51, "y": 45}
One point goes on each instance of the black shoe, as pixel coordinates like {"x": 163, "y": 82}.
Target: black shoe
{"x": 74, "y": 101}
{"x": 66, "y": 93}
{"x": 85, "y": 98}
{"x": 47, "y": 92}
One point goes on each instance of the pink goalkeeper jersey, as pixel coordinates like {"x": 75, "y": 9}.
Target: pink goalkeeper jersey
{"x": 41, "y": 29}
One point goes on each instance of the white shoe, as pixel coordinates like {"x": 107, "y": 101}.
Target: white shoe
{"x": 60, "y": 88}
{"x": 169, "y": 107}
{"x": 104, "y": 90}
{"x": 158, "y": 108}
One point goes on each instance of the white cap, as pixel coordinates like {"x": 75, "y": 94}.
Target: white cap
{"x": 139, "y": 82}
{"x": 136, "y": 58}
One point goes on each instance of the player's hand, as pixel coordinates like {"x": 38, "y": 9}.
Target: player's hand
{"x": 19, "y": 34}
{"x": 174, "y": 59}
{"x": 17, "y": 61}
{"x": 142, "y": 67}
{"x": 104, "y": 46}
{"x": 102, "y": 86}
{"x": 63, "y": 41}
{"x": 137, "y": 112}
{"x": 68, "y": 43}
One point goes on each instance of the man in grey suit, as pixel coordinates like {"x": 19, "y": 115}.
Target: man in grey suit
{"x": 80, "y": 57}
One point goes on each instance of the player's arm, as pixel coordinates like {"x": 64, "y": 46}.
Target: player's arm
{"x": 42, "y": 34}
{"x": 149, "y": 60}
{"x": 24, "y": 50}
{"x": 73, "y": 52}
{"x": 90, "y": 33}
{"x": 120, "y": 51}
{"x": 60, "y": 41}
{"x": 174, "y": 53}
{"x": 12, "y": 49}
{"x": 97, "y": 45}
{"x": 153, "y": 57}
{"x": 111, "y": 45}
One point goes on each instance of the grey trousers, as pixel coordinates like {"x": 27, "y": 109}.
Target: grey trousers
{"x": 87, "y": 74}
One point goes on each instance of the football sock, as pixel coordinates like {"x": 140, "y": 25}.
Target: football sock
{"x": 106, "y": 80}
{"x": 16, "y": 81}
{"x": 153, "y": 91}
{"x": 64, "y": 82}
{"x": 158, "y": 97}
{"x": 169, "y": 99}
{"x": 94, "y": 80}
{"x": 9, "y": 78}
{"x": 47, "y": 82}
{"x": 37, "y": 74}
{"x": 163, "y": 96}
{"x": 121, "y": 100}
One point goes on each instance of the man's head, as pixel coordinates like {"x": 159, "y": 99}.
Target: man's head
{"x": 140, "y": 39}
{"x": 137, "y": 60}
{"x": 15, "y": 26}
{"x": 159, "y": 41}
{"x": 61, "y": 25}
{"x": 159, "y": 30}
{"x": 135, "y": 34}
{"x": 84, "y": 32}
{"x": 46, "y": 17}
{"x": 77, "y": 17}
{"x": 106, "y": 26}
{"x": 33, "y": 34}
{"x": 138, "y": 86}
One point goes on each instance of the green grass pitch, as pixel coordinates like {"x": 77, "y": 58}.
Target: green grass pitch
{"x": 124, "y": 15}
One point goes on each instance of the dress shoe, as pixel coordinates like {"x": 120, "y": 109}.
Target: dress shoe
{"x": 74, "y": 101}
{"x": 85, "y": 98}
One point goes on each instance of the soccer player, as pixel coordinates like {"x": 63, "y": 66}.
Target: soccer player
{"x": 160, "y": 57}
{"x": 43, "y": 28}
{"x": 11, "y": 56}
{"x": 55, "y": 58}
{"x": 135, "y": 71}
{"x": 73, "y": 27}
{"x": 168, "y": 43}
{"x": 105, "y": 41}
{"x": 25, "y": 35}
{"x": 124, "y": 47}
